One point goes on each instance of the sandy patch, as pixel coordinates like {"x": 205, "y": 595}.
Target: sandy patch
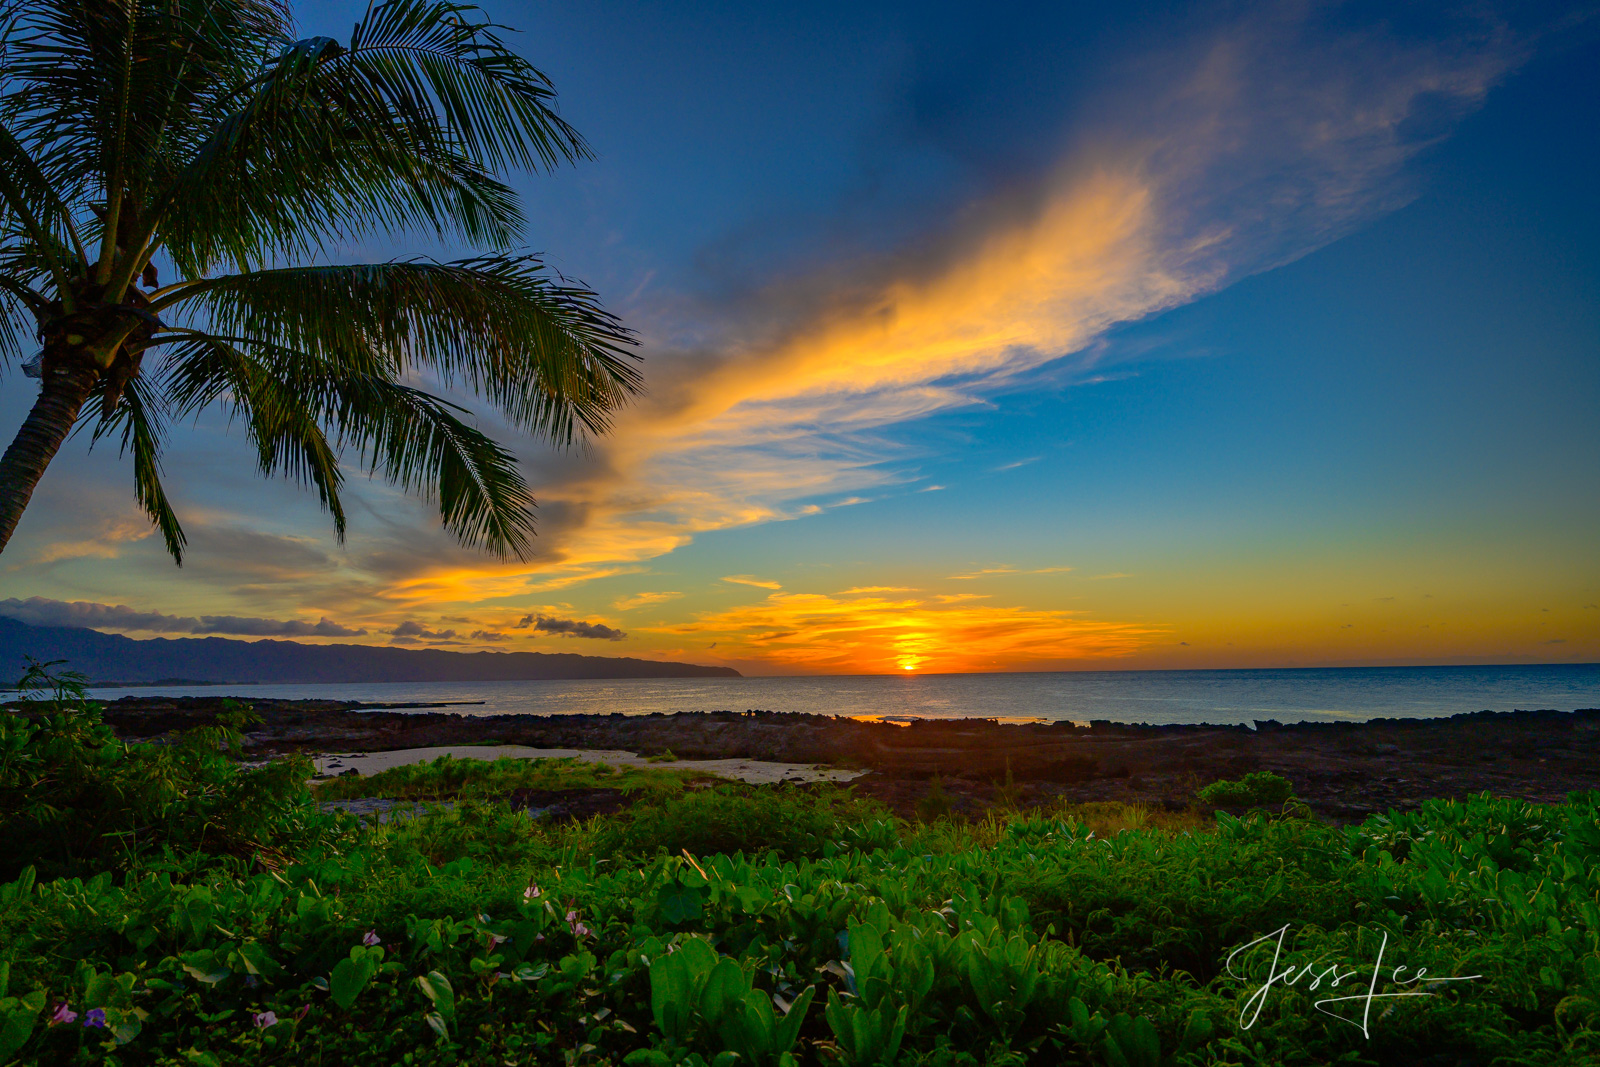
{"x": 756, "y": 772}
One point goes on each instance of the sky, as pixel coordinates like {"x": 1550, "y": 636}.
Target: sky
{"x": 990, "y": 337}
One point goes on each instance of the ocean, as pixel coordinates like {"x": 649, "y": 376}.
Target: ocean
{"x": 1351, "y": 694}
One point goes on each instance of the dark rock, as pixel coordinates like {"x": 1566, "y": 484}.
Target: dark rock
{"x": 1342, "y": 769}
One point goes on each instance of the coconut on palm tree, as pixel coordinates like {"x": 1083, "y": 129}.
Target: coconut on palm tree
{"x": 171, "y": 173}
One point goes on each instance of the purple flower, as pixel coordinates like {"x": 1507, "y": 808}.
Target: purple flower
{"x": 370, "y": 938}
{"x": 531, "y": 893}
{"x": 264, "y": 1019}
{"x": 578, "y": 929}
{"x": 62, "y": 1013}
{"x": 95, "y": 1017}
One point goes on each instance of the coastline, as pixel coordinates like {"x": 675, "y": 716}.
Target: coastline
{"x": 1344, "y": 771}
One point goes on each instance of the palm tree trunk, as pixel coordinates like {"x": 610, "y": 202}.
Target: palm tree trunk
{"x": 64, "y": 389}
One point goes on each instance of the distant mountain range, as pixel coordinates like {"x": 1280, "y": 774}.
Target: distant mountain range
{"x": 111, "y": 659}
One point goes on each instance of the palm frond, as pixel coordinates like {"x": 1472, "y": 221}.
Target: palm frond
{"x": 139, "y": 415}
{"x": 540, "y": 350}
{"x": 393, "y": 131}
{"x": 414, "y": 440}
{"x": 31, "y": 203}
{"x": 278, "y": 413}
{"x": 317, "y": 193}
{"x": 14, "y": 300}
{"x": 124, "y": 89}
{"x": 446, "y": 70}
{"x": 206, "y": 132}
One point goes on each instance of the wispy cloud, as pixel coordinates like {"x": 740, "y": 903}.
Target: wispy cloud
{"x": 107, "y": 543}
{"x": 1015, "y": 465}
{"x": 991, "y": 571}
{"x": 1234, "y": 151}
{"x": 745, "y": 579}
{"x": 1229, "y": 154}
{"x": 643, "y": 600}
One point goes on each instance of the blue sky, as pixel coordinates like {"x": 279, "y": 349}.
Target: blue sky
{"x": 1004, "y": 338}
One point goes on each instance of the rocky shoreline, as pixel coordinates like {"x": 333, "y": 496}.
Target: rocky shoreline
{"x": 1345, "y": 771}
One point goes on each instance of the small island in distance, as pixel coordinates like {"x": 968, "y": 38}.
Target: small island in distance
{"x": 114, "y": 660}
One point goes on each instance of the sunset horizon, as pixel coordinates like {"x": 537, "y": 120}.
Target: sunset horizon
{"x": 1265, "y": 341}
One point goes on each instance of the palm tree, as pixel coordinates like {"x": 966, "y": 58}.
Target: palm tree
{"x": 202, "y": 138}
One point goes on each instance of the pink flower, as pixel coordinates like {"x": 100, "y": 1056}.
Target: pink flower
{"x": 578, "y": 929}
{"x": 62, "y": 1014}
{"x": 531, "y": 893}
{"x": 264, "y": 1019}
{"x": 370, "y": 938}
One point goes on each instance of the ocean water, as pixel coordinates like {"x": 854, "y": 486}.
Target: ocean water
{"x": 1230, "y": 696}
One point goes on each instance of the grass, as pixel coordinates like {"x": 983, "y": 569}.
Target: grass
{"x": 450, "y": 777}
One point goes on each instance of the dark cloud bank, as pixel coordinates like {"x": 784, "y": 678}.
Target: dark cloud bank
{"x": 40, "y": 611}
{"x": 570, "y": 627}
{"x": 112, "y": 659}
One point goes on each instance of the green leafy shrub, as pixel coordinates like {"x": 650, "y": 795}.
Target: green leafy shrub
{"x": 803, "y": 928}
{"x": 1036, "y": 941}
{"x": 1260, "y": 789}
{"x": 935, "y": 804}
{"x": 74, "y": 799}
{"x": 447, "y": 776}
{"x": 734, "y": 818}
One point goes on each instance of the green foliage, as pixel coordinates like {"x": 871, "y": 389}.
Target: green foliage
{"x": 936, "y": 804}
{"x": 729, "y": 818}
{"x": 1259, "y": 789}
{"x": 447, "y": 776}
{"x": 697, "y": 997}
{"x": 74, "y": 799}
{"x": 825, "y": 933}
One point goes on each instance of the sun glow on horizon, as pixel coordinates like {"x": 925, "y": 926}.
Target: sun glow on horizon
{"x": 823, "y": 634}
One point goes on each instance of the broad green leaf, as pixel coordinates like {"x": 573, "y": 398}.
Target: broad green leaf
{"x": 724, "y": 990}
{"x": 18, "y": 1016}
{"x": 349, "y": 978}
{"x": 789, "y": 1029}
{"x": 436, "y": 987}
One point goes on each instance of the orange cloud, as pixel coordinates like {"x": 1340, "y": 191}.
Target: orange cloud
{"x": 989, "y": 571}
{"x": 1228, "y": 156}
{"x": 1221, "y": 158}
{"x": 106, "y": 544}
{"x": 642, "y": 600}
{"x": 745, "y": 579}
{"x": 809, "y": 632}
